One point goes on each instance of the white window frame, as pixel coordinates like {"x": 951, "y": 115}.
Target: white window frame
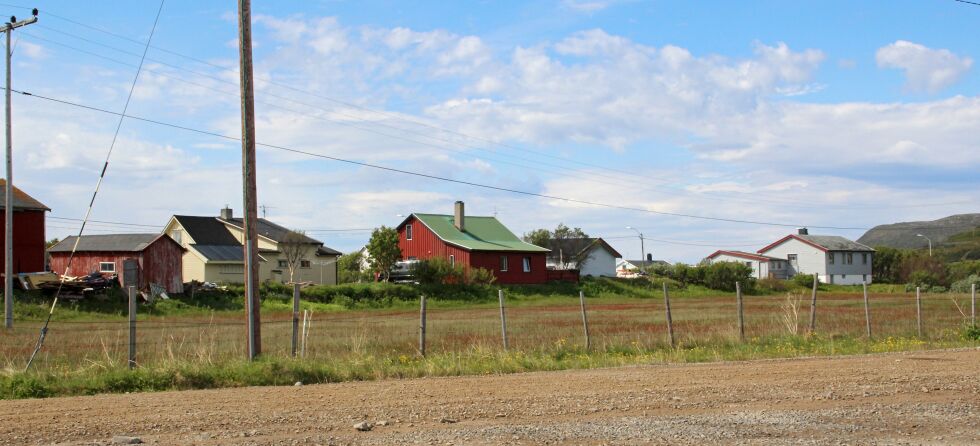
{"x": 452, "y": 260}
{"x": 504, "y": 263}
{"x": 102, "y": 268}
{"x": 526, "y": 263}
{"x": 408, "y": 231}
{"x": 178, "y": 236}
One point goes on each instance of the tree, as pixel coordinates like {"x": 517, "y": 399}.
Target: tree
{"x": 349, "y": 267}
{"x": 51, "y": 243}
{"x": 538, "y": 237}
{"x": 557, "y": 240}
{"x": 293, "y": 245}
{"x": 384, "y": 251}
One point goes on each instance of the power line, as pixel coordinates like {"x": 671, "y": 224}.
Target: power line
{"x": 437, "y": 177}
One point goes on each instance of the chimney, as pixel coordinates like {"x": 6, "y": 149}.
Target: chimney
{"x": 459, "y": 219}
{"x": 803, "y": 231}
{"x": 226, "y": 213}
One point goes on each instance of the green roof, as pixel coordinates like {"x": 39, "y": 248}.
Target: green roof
{"x": 481, "y": 234}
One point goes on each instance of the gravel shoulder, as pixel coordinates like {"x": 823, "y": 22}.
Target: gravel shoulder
{"x": 908, "y": 398}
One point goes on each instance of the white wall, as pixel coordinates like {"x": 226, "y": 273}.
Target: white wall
{"x": 810, "y": 259}
{"x": 599, "y": 263}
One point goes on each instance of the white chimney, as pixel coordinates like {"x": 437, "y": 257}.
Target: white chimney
{"x": 226, "y": 213}
{"x": 459, "y": 219}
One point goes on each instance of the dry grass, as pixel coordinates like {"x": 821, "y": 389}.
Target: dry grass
{"x": 392, "y": 334}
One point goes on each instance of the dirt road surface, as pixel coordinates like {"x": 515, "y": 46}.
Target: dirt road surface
{"x": 911, "y": 398}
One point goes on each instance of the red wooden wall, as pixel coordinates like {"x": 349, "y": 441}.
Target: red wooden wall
{"x": 28, "y": 241}
{"x": 425, "y": 245}
{"x": 159, "y": 263}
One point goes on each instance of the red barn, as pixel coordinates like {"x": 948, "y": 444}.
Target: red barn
{"x": 158, "y": 256}
{"x": 474, "y": 242}
{"x": 28, "y": 231}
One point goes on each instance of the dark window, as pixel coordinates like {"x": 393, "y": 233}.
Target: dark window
{"x": 832, "y": 256}
{"x": 864, "y": 258}
{"x": 503, "y": 263}
{"x": 305, "y": 264}
{"x": 408, "y": 232}
{"x": 283, "y": 263}
{"x": 850, "y": 258}
{"x": 107, "y": 267}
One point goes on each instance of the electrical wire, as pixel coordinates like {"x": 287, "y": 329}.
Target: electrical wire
{"x": 437, "y": 177}
{"x": 98, "y": 185}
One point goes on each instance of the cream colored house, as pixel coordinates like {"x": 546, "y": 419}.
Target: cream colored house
{"x": 215, "y": 254}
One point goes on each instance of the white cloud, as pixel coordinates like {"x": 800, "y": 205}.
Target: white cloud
{"x": 926, "y": 69}
{"x": 586, "y": 6}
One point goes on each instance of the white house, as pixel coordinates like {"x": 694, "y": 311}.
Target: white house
{"x": 832, "y": 258}
{"x": 762, "y": 266}
{"x": 591, "y": 256}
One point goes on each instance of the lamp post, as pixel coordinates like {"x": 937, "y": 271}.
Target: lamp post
{"x": 928, "y": 240}
{"x": 643, "y": 251}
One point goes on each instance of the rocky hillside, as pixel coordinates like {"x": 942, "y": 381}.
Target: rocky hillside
{"x": 903, "y": 235}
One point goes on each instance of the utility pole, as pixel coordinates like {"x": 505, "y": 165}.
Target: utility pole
{"x": 643, "y": 250}
{"x": 8, "y": 236}
{"x": 251, "y": 248}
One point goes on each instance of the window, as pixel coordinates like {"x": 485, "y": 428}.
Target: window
{"x": 503, "y": 263}
{"x": 232, "y": 269}
{"x": 864, "y": 278}
{"x": 748, "y": 264}
{"x": 864, "y": 258}
{"x": 305, "y": 264}
{"x": 832, "y": 256}
{"x": 791, "y": 257}
{"x": 107, "y": 267}
{"x": 178, "y": 236}
{"x": 408, "y": 232}
{"x": 850, "y": 258}
{"x": 452, "y": 260}
{"x": 283, "y": 263}
{"x": 527, "y": 264}
{"x": 843, "y": 276}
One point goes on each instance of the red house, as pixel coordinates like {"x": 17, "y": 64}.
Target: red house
{"x": 159, "y": 258}
{"x": 28, "y": 231}
{"x": 474, "y": 242}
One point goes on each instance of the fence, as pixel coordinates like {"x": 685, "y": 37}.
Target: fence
{"x": 519, "y": 325}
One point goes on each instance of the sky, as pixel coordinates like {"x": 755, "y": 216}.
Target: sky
{"x": 748, "y": 118}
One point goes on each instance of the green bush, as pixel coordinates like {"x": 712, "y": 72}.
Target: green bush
{"x": 803, "y": 280}
{"x": 723, "y": 275}
{"x": 923, "y": 279}
{"x": 963, "y": 286}
{"x": 770, "y": 284}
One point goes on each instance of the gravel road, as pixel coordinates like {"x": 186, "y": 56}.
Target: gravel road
{"x": 911, "y": 398}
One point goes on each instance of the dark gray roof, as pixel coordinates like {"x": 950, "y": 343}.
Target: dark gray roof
{"x": 324, "y": 251}
{"x": 107, "y": 242}
{"x": 221, "y": 253}
{"x": 21, "y": 199}
{"x": 269, "y": 229}
{"x": 207, "y": 230}
{"x": 571, "y": 247}
{"x": 835, "y": 243}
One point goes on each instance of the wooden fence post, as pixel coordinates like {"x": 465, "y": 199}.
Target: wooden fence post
{"x": 306, "y": 332}
{"x": 813, "y": 305}
{"x": 867, "y": 309}
{"x": 422, "y": 325}
{"x": 503, "y": 318}
{"x": 585, "y": 321}
{"x": 973, "y": 303}
{"x": 132, "y": 327}
{"x": 741, "y": 318}
{"x": 295, "y": 318}
{"x": 918, "y": 311}
{"x": 670, "y": 321}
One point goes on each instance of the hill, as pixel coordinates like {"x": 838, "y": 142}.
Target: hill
{"x": 903, "y": 235}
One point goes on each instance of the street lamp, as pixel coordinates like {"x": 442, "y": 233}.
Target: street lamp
{"x": 643, "y": 251}
{"x": 928, "y": 240}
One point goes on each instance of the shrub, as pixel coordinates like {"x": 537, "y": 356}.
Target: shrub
{"x": 965, "y": 269}
{"x": 963, "y": 286}
{"x": 922, "y": 278}
{"x": 770, "y": 284}
{"x": 803, "y": 280}
{"x": 723, "y": 275}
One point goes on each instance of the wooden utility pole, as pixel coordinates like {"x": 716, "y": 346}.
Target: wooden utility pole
{"x": 422, "y": 325}
{"x": 867, "y": 309}
{"x": 8, "y": 236}
{"x": 670, "y": 320}
{"x": 251, "y": 248}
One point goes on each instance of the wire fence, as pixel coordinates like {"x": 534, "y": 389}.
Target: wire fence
{"x": 607, "y": 325}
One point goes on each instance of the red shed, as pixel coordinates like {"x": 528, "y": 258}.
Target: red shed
{"x": 481, "y": 242}
{"x": 28, "y": 231}
{"x": 158, "y": 256}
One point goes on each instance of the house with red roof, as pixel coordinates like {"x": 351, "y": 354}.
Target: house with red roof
{"x": 762, "y": 266}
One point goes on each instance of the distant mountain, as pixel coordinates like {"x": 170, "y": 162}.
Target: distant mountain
{"x": 903, "y": 235}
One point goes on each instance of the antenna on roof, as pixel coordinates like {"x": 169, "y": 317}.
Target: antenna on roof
{"x": 264, "y": 208}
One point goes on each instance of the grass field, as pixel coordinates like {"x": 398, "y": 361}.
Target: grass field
{"x": 176, "y": 341}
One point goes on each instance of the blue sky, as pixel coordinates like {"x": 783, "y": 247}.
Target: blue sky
{"x": 835, "y": 114}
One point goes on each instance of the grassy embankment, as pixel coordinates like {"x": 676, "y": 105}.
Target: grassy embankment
{"x": 186, "y": 344}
